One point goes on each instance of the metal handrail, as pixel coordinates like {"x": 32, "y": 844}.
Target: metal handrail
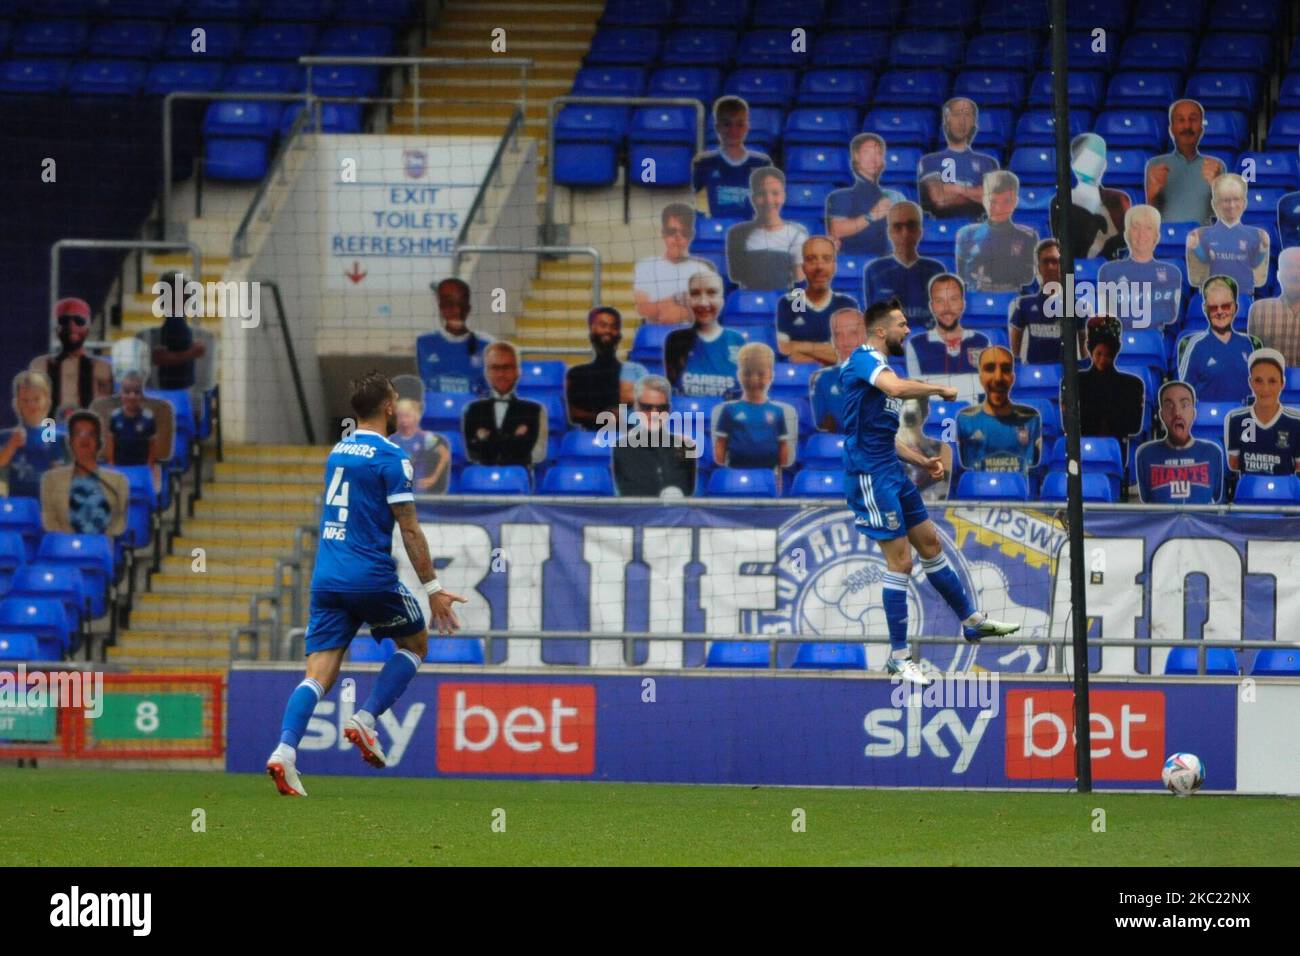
{"x": 142, "y": 244}
{"x": 553, "y": 108}
{"x": 493, "y": 172}
{"x": 592, "y": 251}
{"x": 239, "y": 245}
{"x": 294, "y": 371}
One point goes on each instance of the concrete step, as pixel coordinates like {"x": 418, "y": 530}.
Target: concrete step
{"x": 278, "y": 454}
{"x": 582, "y": 266}
{"x": 249, "y": 472}
{"x": 263, "y": 493}
{"x": 236, "y": 563}
{"x": 179, "y": 616}
{"x": 205, "y": 589}
{"x": 573, "y": 356}
{"x": 206, "y": 645}
{"x": 301, "y": 513}
{"x": 221, "y": 539}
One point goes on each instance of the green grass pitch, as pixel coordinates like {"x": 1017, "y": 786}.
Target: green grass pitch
{"x": 71, "y": 817}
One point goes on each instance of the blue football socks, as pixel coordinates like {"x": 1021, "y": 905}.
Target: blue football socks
{"x": 302, "y": 702}
{"x": 393, "y": 678}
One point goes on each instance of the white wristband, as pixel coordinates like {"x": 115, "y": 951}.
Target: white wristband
{"x": 432, "y": 587}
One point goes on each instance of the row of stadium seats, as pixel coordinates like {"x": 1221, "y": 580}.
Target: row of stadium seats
{"x": 155, "y": 39}
{"x": 318, "y": 11}
{"x": 49, "y": 596}
{"x": 1111, "y": 15}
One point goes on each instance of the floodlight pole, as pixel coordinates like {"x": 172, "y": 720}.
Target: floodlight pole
{"x": 1070, "y": 405}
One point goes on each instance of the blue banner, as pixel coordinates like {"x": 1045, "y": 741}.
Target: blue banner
{"x": 750, "y": 729}
{"x": 711, "y": 570}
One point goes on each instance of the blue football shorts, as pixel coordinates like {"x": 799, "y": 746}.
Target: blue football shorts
{"x": 336, "y": 616}
{"x": 886, "y": 504}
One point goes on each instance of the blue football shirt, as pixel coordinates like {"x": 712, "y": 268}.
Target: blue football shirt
{"x": 1163, "y": 280}
{"x": 999, "y": 442}
{"x": 754, "y": 431}
{"x": 1273, "y": 448}
{"x": 364, "y": 477}
{"x": 452, "y": 363}
{"x": 34, "y": 459}
{"x": 810, "y": 325}
{"x": 1180, "y": 476}
{"x": 1218, "y": 370}
{"x": 726, "y": 183}
{"x": 710, "y": 368}
{"x": 886, "y": 278}
{"x": 968, "y": 169}
{"x": 827, "y": 399}
{"x": 1233, "y": 251}
{"x": 870, "y": 416}
{"x": 928, "y": 353}
{"x": 131, "y": 436}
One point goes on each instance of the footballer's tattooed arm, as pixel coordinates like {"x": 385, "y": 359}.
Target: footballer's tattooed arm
{"x": 417, "y": 546}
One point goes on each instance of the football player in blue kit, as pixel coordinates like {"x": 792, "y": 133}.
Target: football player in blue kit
{"x": 367, "y": 490}
{"x": 886, "y": 504}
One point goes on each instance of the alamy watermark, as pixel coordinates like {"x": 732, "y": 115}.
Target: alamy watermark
{"x": 20, "y": 691}
{"x": 1131, "y": 302}
{"x": 675, "y": 430}
{"x": 208, "y": 300}
{"x": 961, "y": 690}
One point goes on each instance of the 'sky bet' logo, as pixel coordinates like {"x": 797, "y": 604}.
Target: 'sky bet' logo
{"x": 505, "y": 728}
{"x": 1128, "y": 734}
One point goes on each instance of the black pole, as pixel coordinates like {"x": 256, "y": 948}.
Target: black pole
{"x": 1070, "y": 405}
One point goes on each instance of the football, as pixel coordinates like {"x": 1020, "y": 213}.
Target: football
{"x": 1183, "y": 774}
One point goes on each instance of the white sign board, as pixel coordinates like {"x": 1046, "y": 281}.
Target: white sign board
{"x": 394, "y": 206}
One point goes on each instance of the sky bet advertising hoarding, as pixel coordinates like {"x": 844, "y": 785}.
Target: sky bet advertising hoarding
{"x": 751, "y": 729}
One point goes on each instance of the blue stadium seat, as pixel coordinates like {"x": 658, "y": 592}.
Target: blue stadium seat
{"x": 830, "y": 657}
{"x": 1126, "y": 167}
{"x": 1273, "y": 662}
{"x": 592, "y": 479}
{"x": 926, "y": 49}
{"x": 904, "y": 125}
{"x": 940, "y": 423}
{"x": 1245, "y": 15}
{"x": 691, "y": 47}
{"x": 991, "y": 88}
{"x": 818, "y": 483}
{"x": 220, "y": 9}
{"x": 1027, "y": 15}
{"x": 831, "y": 126}
{"x": 857, "y": 49}
{"x": 823, "y": 450}
{"x": 953, "y": 14}
{"x": 1291, "y": 390}
{"x": 587, "y": 143}
{"x": 1146, "y": 345}
{"x": 443, "y": 410}
{"x": 938, "y": 236}
{"x": 697, "y": 82}
{"x": 357, "y": 40}
{"x": 911, "y": 88}
{"x": 17, "y": 646}
{"x": 494, "y": 480}
{"x": 900, "y": 167}
{"x": 264, "y": 78}
{"x": 279, "y": 41}
{"x": 51, "y": 581}
{"x": 995, "y": 305}
{"x": 92, "y": 554}
{"x": 236, "y": 118}
{"x": 1035, "y": 165}
{"x": 39, "y": 38}
{"x": 742, "y": 483}
{"x": 1173, "y": 240}
{"x": 769, "y": 47}
{"x": 854, "y": 14}
{"x": 835, "y": 87}
{"x": 309, "y": 11}
{"x": 1037, "y": 381}
{"x": 1267, "y": 490}
{"x": 146, "y": 9}
{"x": 1038, "y": 127}
{"x": 1288, "y": 95}
{"x": 751, "y": 304}
{"x": 1252, "y": 52}
{"x": 1226, "y": 129}
{"x": 345, "y": 81}
{"x": 1209, "y": 420}
{"x": 581, "y": 447}
{"x": 221, "y": 41}
{"x": 167, "y": 78}
{"x": 454, "y": 650}
{"x": 1084, "y": 90}
{"x": 13, "y": 555}
{"x": 1007, "y": 51}
{"x": 1184, "y": 15}
{"x": 334, "y": 118}
{"x": 1141, "y": 89}
{"x": 623, "y": 45}
{"x": 375, "y": 11}
{"x": 818, "y": 164}
{"x": 1284, "y": 130}
{"x": 649, "y": 341}
{"x": 1261, "y": 205}
{"x": 995, "y": 129}
{"x": 764, "y": 129}
{"x": 788, "y": 376}
{"x": 551, "y": 399}
{"x": 1081, "y": 55}
{"x": 638, "y": 13}
{"x": 1096, "y": 487}
{"x": 1089, "y": 14}
{"x": 366, "y": 650}
{"x": 107, "y": 78}
{"x": 788, "y": 13}
{"x": 763, "y": 87}
{"x": 542, "y": 374}
{"x": 41, "y": 618}
{"x": 738, "y": 654}
{"x": 23, "y": 517}
{"x": 1099, "y": 454}
{"x": 1225, "y": 91}
{"x": 609, "y": 81}
{"x": 33, "y": 77}
{"x": 754, "y": 331}
{"x": 129, "y": 39}
{"x": 1276, "y": 169}
{"x": 806, "y": 200}
{"x": 666, "y": 135}
{"x": 1157, "y": 51}
{"x": 992, "y": 486}
{"x": 1137, "y": 129}
{"x": 1220, "y": 661}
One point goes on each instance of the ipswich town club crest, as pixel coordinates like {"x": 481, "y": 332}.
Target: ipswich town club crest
{"x": 830, "y": 583}
{"x": 414, "y": 162}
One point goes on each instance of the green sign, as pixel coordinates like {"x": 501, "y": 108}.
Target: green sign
{"x": 28, "y": 723}
{"x": 163, "y": 716}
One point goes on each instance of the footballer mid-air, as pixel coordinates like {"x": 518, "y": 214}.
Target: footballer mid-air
{"x": 886, "y": 504}
{"x": 367, "y": 490}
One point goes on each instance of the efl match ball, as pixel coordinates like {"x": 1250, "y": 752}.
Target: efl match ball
{"x": 1183, "y": 774}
